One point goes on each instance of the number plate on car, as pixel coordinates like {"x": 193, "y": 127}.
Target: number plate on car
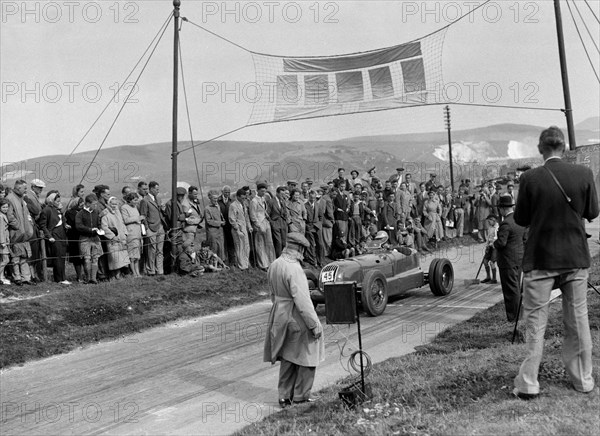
{"x": 328, "y": 276}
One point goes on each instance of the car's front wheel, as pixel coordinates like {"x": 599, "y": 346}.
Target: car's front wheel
{"x": 374, "y": 294}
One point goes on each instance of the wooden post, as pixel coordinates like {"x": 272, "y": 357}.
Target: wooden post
{"x": 43, "y": 255}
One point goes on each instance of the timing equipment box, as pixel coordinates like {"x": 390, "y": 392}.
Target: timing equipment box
{"x": 340, "y": 303}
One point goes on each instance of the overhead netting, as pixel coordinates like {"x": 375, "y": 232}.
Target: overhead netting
{"x": 292, "y": 88}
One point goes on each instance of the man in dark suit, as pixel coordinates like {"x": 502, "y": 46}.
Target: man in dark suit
{"x": 150, "y": 207}
{"x": 556, "y": 254}
{"x": 340, "y": 206}
{"x": 314, "y": 223}
{"x": 509, "y": 246}
{"x": 277, "y": 211}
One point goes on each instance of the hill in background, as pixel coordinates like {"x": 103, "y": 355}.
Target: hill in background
{"x": 477, "y": 153}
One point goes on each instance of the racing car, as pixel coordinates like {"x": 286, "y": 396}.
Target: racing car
{"x": 381, "y": 272}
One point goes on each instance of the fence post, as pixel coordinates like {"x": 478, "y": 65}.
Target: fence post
{"x": 43, "y": 255}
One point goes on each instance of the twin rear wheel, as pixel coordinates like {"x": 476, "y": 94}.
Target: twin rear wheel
{"x": 441, "y": 277}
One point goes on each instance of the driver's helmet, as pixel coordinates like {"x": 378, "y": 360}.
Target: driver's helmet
{"x": 381, "y": 237}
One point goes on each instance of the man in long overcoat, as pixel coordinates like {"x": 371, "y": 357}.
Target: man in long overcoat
{"x": 294, "y": 333}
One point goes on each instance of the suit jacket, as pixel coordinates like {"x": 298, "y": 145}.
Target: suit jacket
{"x": 49, "y": 219}
{"x": 557, "y": 237}
{"x": 314, "y": 216}
{"x": 277, "y": 212}
{"x": 510, "y": 243}
{"x": 151, "y": 210}
{"x": 340, "y": 202}
{"x": 259, "y": 217}
{"x": 326, "y": 206}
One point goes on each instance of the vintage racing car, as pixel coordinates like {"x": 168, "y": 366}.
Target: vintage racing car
{"x": 382, "y": 272}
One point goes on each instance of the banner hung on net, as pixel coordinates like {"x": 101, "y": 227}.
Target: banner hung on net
{"x": 291, "y": 88}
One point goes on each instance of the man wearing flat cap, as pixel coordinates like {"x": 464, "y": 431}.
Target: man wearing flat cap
{"x": 177, "y": 235}
{"x": 510, "y": 246}
{"x": 398, "y": 177}
{"x": 431, "y": 183}
{"x": 294, "y": 333}
{"x": 35, "y": 205}
{"x": 259, "y": 218}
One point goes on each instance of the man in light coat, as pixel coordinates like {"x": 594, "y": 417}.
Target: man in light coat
{"x": 294, "y": 332}
{"x": 259, "y": 217}
{"x": 19, "y": 237}
{"x": 240, "y": 227}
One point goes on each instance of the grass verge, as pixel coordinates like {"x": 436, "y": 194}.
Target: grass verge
{"x": 48, "y": 319}
{"x": 459, "y": 384}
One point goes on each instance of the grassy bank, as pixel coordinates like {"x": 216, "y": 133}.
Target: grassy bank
{"x": 49, "y": 319}
{"x": 459, "y": 384}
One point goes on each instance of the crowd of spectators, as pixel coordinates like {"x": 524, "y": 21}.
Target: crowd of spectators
{"x": 106, "y": 237}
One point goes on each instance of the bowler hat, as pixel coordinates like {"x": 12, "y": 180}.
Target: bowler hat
{"x": 506, "y": 201}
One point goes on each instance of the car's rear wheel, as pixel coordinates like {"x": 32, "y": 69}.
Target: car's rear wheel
{"x": 374, "y": 294}
{"x": 441, "y": 277}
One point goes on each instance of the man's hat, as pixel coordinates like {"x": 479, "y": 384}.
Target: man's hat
{"x": 506, "y": 201}
{"x": 181, "y": 191}
{"x": 432, "y": 175}
{"x": 524, "y": 168}
{"x": 291, "y": 182}
{"x": 261, "y": 186}
{"x": 324, "y": 187}
{"x": 309, "y": 180}
{"x": 39, "y": 183}
{"x": 298, "y": 239}
{"x": 400, "y": 169}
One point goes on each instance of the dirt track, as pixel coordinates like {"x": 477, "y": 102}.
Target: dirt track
{"x": 206, "y": 376}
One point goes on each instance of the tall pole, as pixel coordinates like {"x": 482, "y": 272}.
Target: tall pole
{"x": 176, "y": 4}
{"x": 447, "y": 119}
{"x": 565, "y": 76}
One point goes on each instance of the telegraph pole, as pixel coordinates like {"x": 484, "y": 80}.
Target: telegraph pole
{"x": 176, "y": 4}
{"x": 447, "y": 120}
{"x": 565, "y": 76}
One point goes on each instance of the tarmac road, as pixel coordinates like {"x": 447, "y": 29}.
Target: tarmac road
{"x": 206, "y": 376}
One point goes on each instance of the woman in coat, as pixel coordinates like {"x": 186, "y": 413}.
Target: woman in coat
{"x": 133, "y": 221}
{"x": 432, "y": 210}
{"x": 75, "y": 256}
{"x": 54, "y": 225}
{"x": 296, "y": 213}
{"x": 483, "y": 208}
{"x": 116, "y": 234}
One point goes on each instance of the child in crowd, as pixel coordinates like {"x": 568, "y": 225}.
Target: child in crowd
{"x": 490, "y": 256}
{"x": 4, "y": 240}
{"x": 209, "y": 259}
{"x": 188, "y": 262}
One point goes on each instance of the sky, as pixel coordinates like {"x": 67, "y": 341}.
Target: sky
{"x": 61, "y": 63}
